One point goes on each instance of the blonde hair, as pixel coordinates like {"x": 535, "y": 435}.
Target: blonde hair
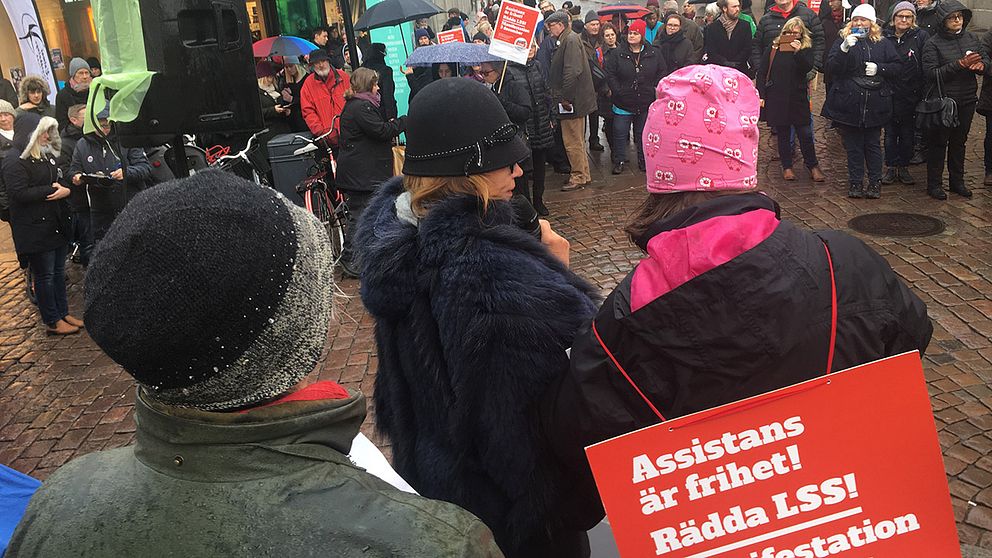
{"x": 796, "y": 24}
{"x": 484, "y": 27}
{"x": 874, "y": 33}
{"x": 362, "y": 81}
{"x": 427, "y": 190}
{"x": 34, "y": 149}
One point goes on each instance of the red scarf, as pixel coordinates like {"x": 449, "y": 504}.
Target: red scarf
{"x": 784, "y": 13}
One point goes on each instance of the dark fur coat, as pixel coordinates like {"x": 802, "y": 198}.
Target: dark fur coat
{"x": 473, "y": 317}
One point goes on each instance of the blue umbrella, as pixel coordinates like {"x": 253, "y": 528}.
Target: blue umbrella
{"x": 282, "y": 45}
{"x": 467, "y": 54}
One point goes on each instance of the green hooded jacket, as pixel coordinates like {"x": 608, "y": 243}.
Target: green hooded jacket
{"x": 273, "y": 482}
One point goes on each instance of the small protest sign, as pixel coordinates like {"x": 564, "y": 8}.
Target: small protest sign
{"x": 513, "y": 32}
{"x": 847, "y": 464}
{"x": 452, "y": 36}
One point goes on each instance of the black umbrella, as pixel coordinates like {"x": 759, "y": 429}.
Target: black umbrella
{"x": 389, "y": 13}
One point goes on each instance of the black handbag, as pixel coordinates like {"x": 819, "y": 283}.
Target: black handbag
{"x": 937, "y": 112}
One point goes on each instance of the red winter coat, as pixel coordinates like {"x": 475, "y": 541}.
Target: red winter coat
{"x": 321, "y": 101}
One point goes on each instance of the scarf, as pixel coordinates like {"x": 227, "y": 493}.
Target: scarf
{"x": 373, "y": 98}
{"x": 784, "y": 13}
{"x": 728, "y": 24}
{"x": 9, "y": 134}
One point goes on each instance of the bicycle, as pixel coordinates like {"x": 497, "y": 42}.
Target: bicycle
{"x": 320, "y": 196}
{"x": 242, "y": 160}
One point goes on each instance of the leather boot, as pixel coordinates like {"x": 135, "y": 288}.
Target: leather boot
{"x": 905, "y": 177}
{"x": 857, "y": 191}
{"x": 961, "y": 190}
{"x": 874, "y": 191}
{"x": 817, "y": 175}
{"x": 73, "y": 321}
{"x": 618, "y": 167}
{"x": 61, "y": 328}
{"x": 542, "y": 209}
{"x": 890, "y": 176}
{"x": 788, "y": 174}
{"x": 936, "y": 192}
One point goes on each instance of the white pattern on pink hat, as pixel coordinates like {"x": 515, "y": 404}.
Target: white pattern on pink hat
{"x": 702, "y": 132}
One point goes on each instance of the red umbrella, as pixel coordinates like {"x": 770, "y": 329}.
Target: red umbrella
{"x": 630, "y": 11}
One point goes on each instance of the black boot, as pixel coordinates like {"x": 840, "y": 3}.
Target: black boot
{"x": 542, "y": 209}
{"x": 936, "y": 192}
{"x": 618, "y": 167}
{"x": 903, "y": 174}
{"x": 961, "y": 190}
{"x": 874, "y": 190}
{"x": 857, "y": 191}
{"x": 890, "y": 176}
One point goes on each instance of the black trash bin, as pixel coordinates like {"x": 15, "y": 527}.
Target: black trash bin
{"x": 288, "y": 169}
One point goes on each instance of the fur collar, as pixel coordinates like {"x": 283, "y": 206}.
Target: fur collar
{"x": 54, "y": 141}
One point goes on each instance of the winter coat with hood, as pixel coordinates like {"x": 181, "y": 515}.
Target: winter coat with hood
{"x": 676, "y": 50}
{"x": 387, "y": 86}
{"x": 539, "y": 132}
{"x": 944, "y": 49}
{"x": 570, "y": 78}
{"x": 98, "y": 155}
{"x": 634, "y": 77}
{"x": 45, "y": 108}
{"x": 365, "y": 156}
{"x": 770, "y": 27}
{"x": 274, "y": 480}
{"x": 473, "y": 316}
{"x": 907, "y": 85}
{"x": 37, "y": 224}
{"x": 746, "y": 309}
{"x": 850, "y": 100}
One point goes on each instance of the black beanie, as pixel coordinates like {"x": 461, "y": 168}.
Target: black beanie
{"x": 212, "y": 292}
{"x": 457, "y": 127}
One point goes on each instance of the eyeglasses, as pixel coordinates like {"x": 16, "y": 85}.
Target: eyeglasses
{"x": 956, "y": 16}
{"x": 487, "y": 72}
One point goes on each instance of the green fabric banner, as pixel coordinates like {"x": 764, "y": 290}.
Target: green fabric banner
{"x": 122, "y": 55}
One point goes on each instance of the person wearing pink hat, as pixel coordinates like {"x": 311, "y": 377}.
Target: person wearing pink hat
{"x": 730, "y": 301}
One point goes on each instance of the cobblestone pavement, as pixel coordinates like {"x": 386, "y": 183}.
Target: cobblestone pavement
{"x": 62, "y": 398}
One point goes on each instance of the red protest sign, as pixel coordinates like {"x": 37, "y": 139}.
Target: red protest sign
{"x": 815, "y": 5}
{"x": 847, "y": 464}
{"x": 513, "y": 32}
{"x": 452, "y": 36}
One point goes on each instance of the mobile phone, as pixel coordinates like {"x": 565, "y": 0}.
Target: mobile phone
{"x": 859, "y": 31}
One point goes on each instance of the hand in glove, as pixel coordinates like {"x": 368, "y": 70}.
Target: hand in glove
{"x": 871, "y": 69}
{"x": 849, "y": 42}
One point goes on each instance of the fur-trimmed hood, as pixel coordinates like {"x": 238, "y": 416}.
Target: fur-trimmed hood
{"x": 33, "y": 82}
{"x": 29, "y": 126}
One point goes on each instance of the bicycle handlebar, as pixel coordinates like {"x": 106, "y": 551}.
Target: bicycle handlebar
{"x": 243, "y": 154}
{"x": 314, "y": 140}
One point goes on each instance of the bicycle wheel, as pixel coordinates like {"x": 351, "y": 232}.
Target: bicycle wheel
{"x": 321, "y": 207}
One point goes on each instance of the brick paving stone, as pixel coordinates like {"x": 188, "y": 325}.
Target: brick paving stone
{"x": 62, "y": 398}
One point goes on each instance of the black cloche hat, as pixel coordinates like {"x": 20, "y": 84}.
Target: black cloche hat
{"x": 457, "y": 127}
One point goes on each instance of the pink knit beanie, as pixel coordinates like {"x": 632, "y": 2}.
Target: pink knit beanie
{"x": 702, "y": 132}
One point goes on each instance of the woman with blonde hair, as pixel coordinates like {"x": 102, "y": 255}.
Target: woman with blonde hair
{"x": 365, "y": 155}
{"x": 862, "y": 67}
{"x": 784, "y": 95}
{"x": 473, "y": 315}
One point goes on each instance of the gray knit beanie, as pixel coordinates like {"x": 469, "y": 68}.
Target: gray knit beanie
{"x": 212, "y": 292}
{"x": 77, "y": 64}
{"x": 6, "y": 107}
{"x": 591, "y": 16}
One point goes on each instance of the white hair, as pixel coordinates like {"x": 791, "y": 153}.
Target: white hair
{"x": 712, "y": 10}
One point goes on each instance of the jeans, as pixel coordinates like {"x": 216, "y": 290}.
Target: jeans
{"x": 988, "y": 145}
{"x": 82, "y": 232}
{"x": 806, "y": 144}
{"x": 357, "y": 202}
{"x": 49, "y": 284}
{"x": 621, "y": 130}
{"x": 536, "y": 176}
{"x": 864, "y": 149}
{"x": 899, "y": 133}
{"x": 949, "y": 142}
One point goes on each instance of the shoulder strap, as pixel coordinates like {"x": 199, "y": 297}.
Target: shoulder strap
{"x": 771, "y": 60}
{"x": 830, "y": 348}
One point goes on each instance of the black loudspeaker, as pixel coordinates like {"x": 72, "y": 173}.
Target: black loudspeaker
{"x": 202, "y": 51}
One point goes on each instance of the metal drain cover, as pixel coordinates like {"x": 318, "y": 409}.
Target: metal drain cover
{"x": 897, "y": 224}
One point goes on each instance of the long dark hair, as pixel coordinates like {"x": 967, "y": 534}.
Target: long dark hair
{"x": 659, "y": 206}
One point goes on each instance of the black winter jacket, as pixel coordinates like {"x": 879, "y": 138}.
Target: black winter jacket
{"x": 36, "y": 224}
{"x": 733, "y": 51}
{"x": 907, "y": 86}
{"x": 848, "y": 102}
{"x": 985, "y": 101}
{"x": 942, "y": 52}
{"x": 71, "y": 135}
{"x": 756, "y": 323}
{"x": 473, "y": 316}
{"x": 633, "y": 78}
{"x": 517, "y": 104}
{"x": 65, "y": 99}
{"x": 95, "y": 155}
{"x": 928, "y": 20}
{"x": 387, "y": 87}
{"x": 676, "y": 50}
{"x": 539, "y": 132}
{"x": 5, "y": 147}
{"x": 770, "y": 26}
{"x": 365, "y": 158}
{"x": 786, "y": 92}
{"x": 276, "y": 123}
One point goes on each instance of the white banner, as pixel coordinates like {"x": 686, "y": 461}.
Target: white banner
{"x": 34, "y": 51}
